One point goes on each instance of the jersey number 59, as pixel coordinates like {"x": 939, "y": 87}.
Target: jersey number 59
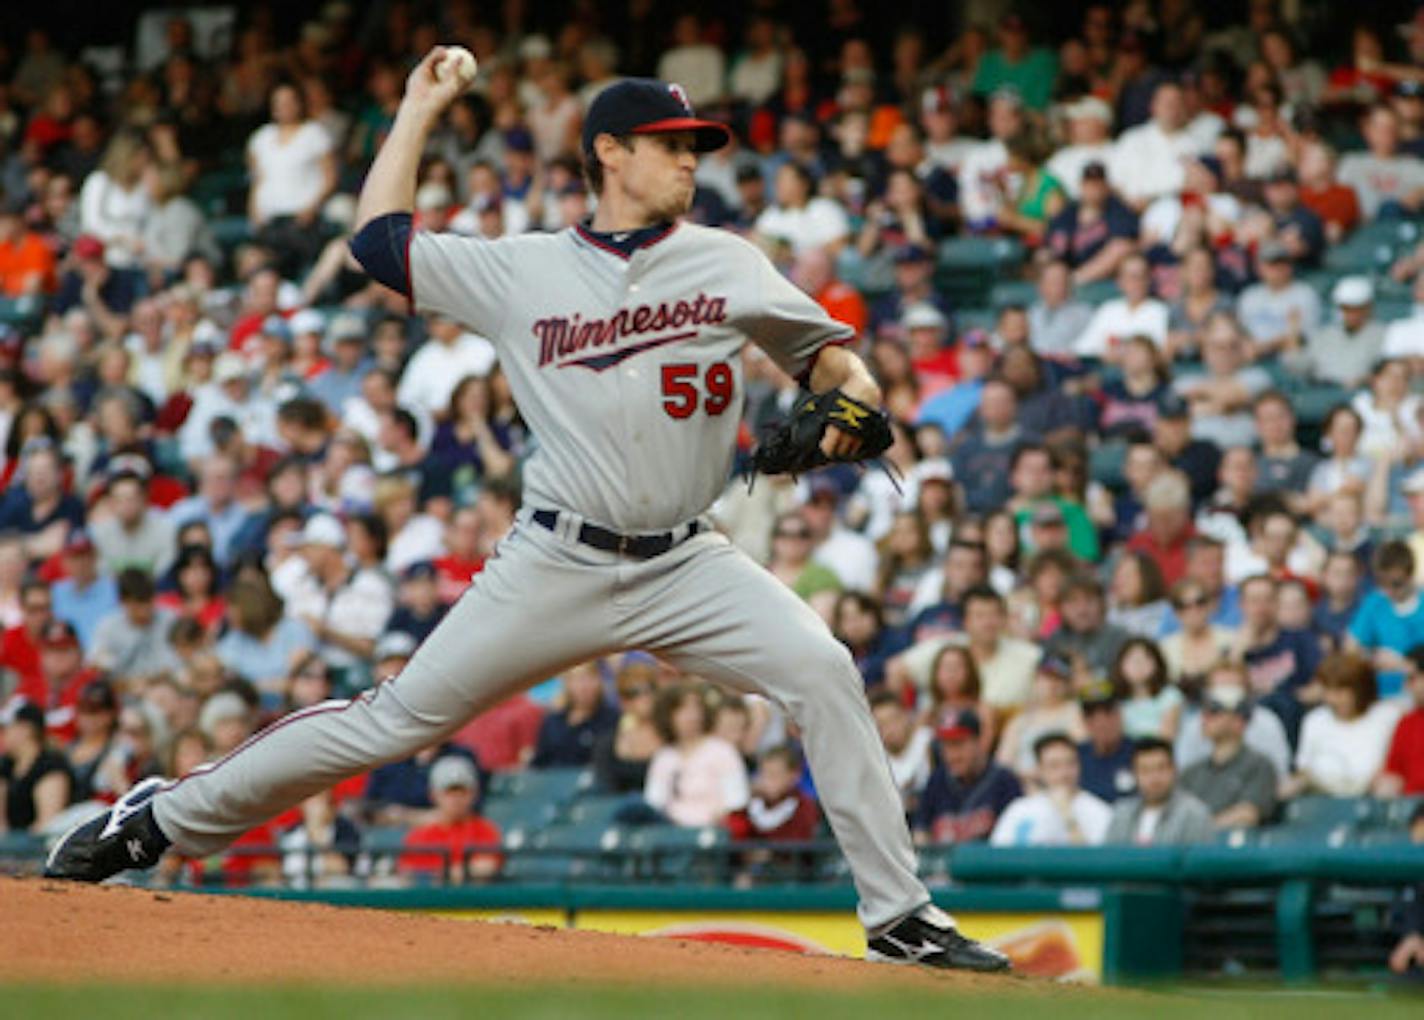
{"x": 681, "y": 395}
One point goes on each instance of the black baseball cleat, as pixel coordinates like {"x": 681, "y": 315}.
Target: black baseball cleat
{"x": 928, "y": 937}
{"x": 124, "y": 837}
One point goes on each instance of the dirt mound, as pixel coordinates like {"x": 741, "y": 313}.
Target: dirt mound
{"x": 59, "y": 932}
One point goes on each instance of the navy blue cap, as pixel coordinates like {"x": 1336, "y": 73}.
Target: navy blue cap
{"x": 419, "y": 569}
{"x": 913, "y": 253}
{"x": 643, "y": 106}
{"x": 1171, "y": 406}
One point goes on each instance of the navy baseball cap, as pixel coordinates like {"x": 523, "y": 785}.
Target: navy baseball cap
{"x": 644, "y": 106}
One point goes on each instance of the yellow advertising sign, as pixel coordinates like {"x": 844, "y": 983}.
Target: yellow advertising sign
{"x": 1065, "y": 946}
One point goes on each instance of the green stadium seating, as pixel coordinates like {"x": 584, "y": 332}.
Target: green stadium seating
{"x": 598, "y": 809}
{"x": 1013, "y": 292}
{"x": 552, "y": 785}
{"x": 230, "y": 231}
{"x": 1326, "y": 811}
{"x": 519, "y": 812}
{"x": 1313, "y": 402}
{"x": 1098, "y": 292}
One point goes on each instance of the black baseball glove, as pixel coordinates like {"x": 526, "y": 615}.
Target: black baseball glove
{"x": 794, "y": 447}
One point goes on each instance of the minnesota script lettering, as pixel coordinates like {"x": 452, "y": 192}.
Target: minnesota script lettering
{"x": 559, "y": 336}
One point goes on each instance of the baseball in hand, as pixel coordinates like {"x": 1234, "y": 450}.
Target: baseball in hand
{"x": 457, "y": 61}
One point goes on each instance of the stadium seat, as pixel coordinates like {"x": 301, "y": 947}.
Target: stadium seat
{"x": 1106, "y": 462}
{"x": 230, "y": 231}
{"x": 1013, "y": 292}
{"x": 674, "y": 851}
{"x": 552, "y": 785}
{"x": 969, "y": 267}
{"x": 1312, "y": 403}
{"x": 599, "y": 809}
{"x": 1326, "y": 812}
{"x": 974, "y": 318}
{"x": 519, "y": 812}
{"x": 1098, "y": 292}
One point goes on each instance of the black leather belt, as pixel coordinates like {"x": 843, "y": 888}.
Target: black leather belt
{"x": 639, "y": 547}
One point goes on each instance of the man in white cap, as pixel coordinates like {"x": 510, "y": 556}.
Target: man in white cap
{"x": 1089, "y": 141}
{"x": 1344, "y": 352}
{"x": 434, "y": 206}
{"x": 346, "y": 606}
{"x": 925, "y": 328}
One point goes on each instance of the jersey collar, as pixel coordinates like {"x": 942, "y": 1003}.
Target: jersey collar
{"x": 624, "y": 243}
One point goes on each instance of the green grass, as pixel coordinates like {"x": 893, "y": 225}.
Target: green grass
{"x": 37, "y": 1002}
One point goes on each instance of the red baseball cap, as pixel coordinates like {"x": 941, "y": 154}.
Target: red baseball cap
{"x": 87, "y": 246}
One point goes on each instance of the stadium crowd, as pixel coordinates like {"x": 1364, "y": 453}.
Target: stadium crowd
{"x": 1143, "y": 565}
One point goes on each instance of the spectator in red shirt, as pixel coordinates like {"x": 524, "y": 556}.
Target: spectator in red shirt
{"x": 63, "y": 677}
{"x": 1403, "y": 773}
{"x": 1336, "y": 204}
{"x": 462, "y": 560}
{"x": 504, "y": 737}
{"x": 814, "y": 271}
{"x": 198, "y": 595}
{"x": 936, "y": 362}
{"x": 26, "y": 262}
{"x": 1168, "y": 504}
{"x": 456, "y": 831}
{"x": 778, "y": 810}
{"x": 19, "y": 646}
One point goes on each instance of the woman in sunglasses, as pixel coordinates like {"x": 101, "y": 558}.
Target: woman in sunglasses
{"x": 1192, "y": 651}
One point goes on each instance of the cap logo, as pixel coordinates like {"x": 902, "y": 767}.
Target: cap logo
{"x": 680, "y": 94}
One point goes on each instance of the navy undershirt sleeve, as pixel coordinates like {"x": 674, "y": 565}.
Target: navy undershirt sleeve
{"x": 382, "y": 247}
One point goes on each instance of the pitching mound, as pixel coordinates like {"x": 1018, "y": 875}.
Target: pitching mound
{"x": 57, "y": 932}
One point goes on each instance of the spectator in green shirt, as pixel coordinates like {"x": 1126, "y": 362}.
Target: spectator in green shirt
{"x": 1029, "y": 71}
{"x": 791, "y": 558}
{"x": 1031, "y": 476}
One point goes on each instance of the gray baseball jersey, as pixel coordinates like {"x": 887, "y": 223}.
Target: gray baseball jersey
{"x": 626, "y": 369}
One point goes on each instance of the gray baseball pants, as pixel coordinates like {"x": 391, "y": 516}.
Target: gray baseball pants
{"x": 543, "y": 603}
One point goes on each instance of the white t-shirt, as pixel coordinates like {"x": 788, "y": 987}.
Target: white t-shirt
{"x": 1147, "y": 162}
{"x": 851, "y": 556}
{"x": 1115, "y": 321}
{"x": 980, "y": 187}
{"x": 1161, "y": 219}
{"x": 700, "y": 69}
{"x": 1266, "y": 313}
{"x": 359, "y": 608}
{"x": 816, "y": 224}
{"x": 289, "y": 176}
{"x": 1377, "y": 180}
{"x": 1035, "y": 821}
{"x": 1386, "y": 431}
{"x": 911, "y": 767}
{"x": 115, "y": 216}
{"x": 1067, "y": 164}
{"x": 755, "y": 78}
{"x": 1341, "y": 758}
{"x": 437, "y": 368}
{"x": 1404, "y": 338}
{"x": 422, "y": 538}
